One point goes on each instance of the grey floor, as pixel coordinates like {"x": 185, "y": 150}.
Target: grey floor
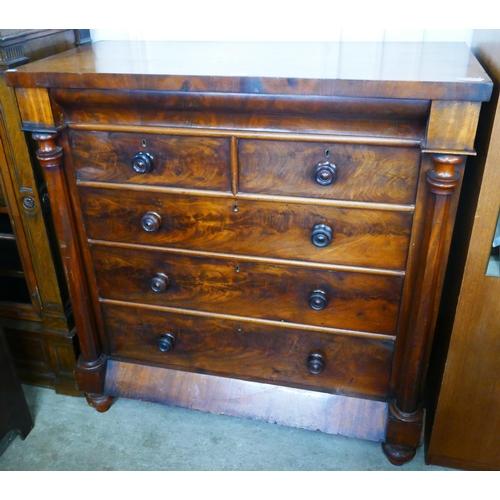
{"x": 139, "y": 436}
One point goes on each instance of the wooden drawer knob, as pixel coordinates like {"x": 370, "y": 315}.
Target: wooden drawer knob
{"x": 316, "y": 363}
{"x": 318, "y": 300}
{"x": 166, "y": 342}
{"x": 142, "y": 163}
{"x": 325, "y": 173}
{"x": 321, "y": 235}
{"x": 151, "y": 222}
{"x": 159, "y": 282}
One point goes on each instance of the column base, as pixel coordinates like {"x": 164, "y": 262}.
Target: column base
{"x": 398, "y": 455}
{"x": 100, "y": 402}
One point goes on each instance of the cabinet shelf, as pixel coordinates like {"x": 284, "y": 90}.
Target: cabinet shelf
{"x": 13, "y": 273}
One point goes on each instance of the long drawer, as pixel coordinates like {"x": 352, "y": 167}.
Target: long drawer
{"x": 248, "y": 350}
{"x": 348, "y": 236}
{"x": 342, "y": 300}
{"x": 327, "y": 170}
{"x": 189, "y": 162}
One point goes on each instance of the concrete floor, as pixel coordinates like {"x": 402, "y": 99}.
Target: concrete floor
{"x": 139, "y": 436}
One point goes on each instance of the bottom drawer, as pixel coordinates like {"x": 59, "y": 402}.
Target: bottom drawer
{"x": 251, "y": 351}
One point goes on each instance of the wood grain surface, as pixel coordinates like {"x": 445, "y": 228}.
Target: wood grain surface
{"x": 370, "y": 238}
{"x": 278, "y": 292}
{"x": 249, "y": 350}
{"x": 194, "y": 162}
{"x": 330, "y": 413}
{"x": 363, "y": 173}
{"x": 388, "y": 70}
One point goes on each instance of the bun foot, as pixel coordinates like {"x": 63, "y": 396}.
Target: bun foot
{"x": 100, "y": 402}
{"x": 398, "y": 455}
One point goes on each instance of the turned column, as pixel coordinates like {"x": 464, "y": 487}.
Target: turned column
{"x": 406, "y": 414}
{"x": 91, "y": 366}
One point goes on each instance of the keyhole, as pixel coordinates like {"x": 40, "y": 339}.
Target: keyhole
{"x": 237, "y": 269}
{"x": 144, "y": 143}
{"x": 327, "y": 153}
{"x": 235, "y": 208}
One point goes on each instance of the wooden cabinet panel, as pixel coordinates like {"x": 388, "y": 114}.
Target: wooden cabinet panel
{"x": 34, "y": 301}
{"x": 465, "y": 385}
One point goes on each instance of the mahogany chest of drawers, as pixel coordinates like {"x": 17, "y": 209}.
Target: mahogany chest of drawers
{"x": 258, "y": 230}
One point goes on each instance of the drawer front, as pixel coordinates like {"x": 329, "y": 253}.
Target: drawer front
{"x": 186, "y": 162}
{"x": 341, "y": 300}
{"x": 247, "y": 350}
{"x": 337, "y": 171}
{"x": 372, "y": 238}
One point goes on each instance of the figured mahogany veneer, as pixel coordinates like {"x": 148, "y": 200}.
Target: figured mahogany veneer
{"x": 279, "y": 229}
{"x": 363, "y": 173}
{"x": 250, "y": 350}
{"x": 185, "y": 162}
{"x": 353, "y": 301}
{"x": 370, "y": 238}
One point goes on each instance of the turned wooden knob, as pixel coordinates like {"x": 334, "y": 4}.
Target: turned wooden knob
{"x": 318, "y": 300}
{"x": 166, "y": 342}
{"x": 151, "y": 222}
{"x": 325, "y": 173}
{"x": 159, "y": 282}
{"x": 321, "y": 235}
{"x": 142, "y": 162}
{"x": 316, "y": 363}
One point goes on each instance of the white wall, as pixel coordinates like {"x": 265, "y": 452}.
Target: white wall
{"x": 209, "y": 31}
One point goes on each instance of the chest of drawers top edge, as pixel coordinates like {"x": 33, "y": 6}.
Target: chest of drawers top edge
{"x": 384, "y": 130}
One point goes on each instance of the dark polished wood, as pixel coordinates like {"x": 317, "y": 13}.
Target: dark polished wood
{"x": 285, "y": 223}
{"x": 91, "y": 364}
{"x": 249, "y": 350}
{"x": 464, "y": 391}
{"x": 368, "y": 238}
{"x": 278, "y": 167}
{"x": 376, "y": 70}
{"x": 245, "y": 114}
{"x": 19, "y": 46}
{"x": 185, "y": 162}
{"x": 354, "y": 301}
{"x": 34, "y": 303}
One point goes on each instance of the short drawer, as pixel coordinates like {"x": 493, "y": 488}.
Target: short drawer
{"x": 342, "y": 300}
{"x": 380, "y": 174}
{"x": 357, "y": 237}
{"x": 250, "y": 351}
{"x": 186, "y": 162}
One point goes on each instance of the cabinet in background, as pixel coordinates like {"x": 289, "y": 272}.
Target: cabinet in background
{"x": 35, "y": 311}
{"x": 464, "y": 421}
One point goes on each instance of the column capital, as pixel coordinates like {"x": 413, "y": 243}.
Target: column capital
{"x": 442, "y": 178}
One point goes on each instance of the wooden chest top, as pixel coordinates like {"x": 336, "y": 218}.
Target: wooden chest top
{"x": 376, "y": 70}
